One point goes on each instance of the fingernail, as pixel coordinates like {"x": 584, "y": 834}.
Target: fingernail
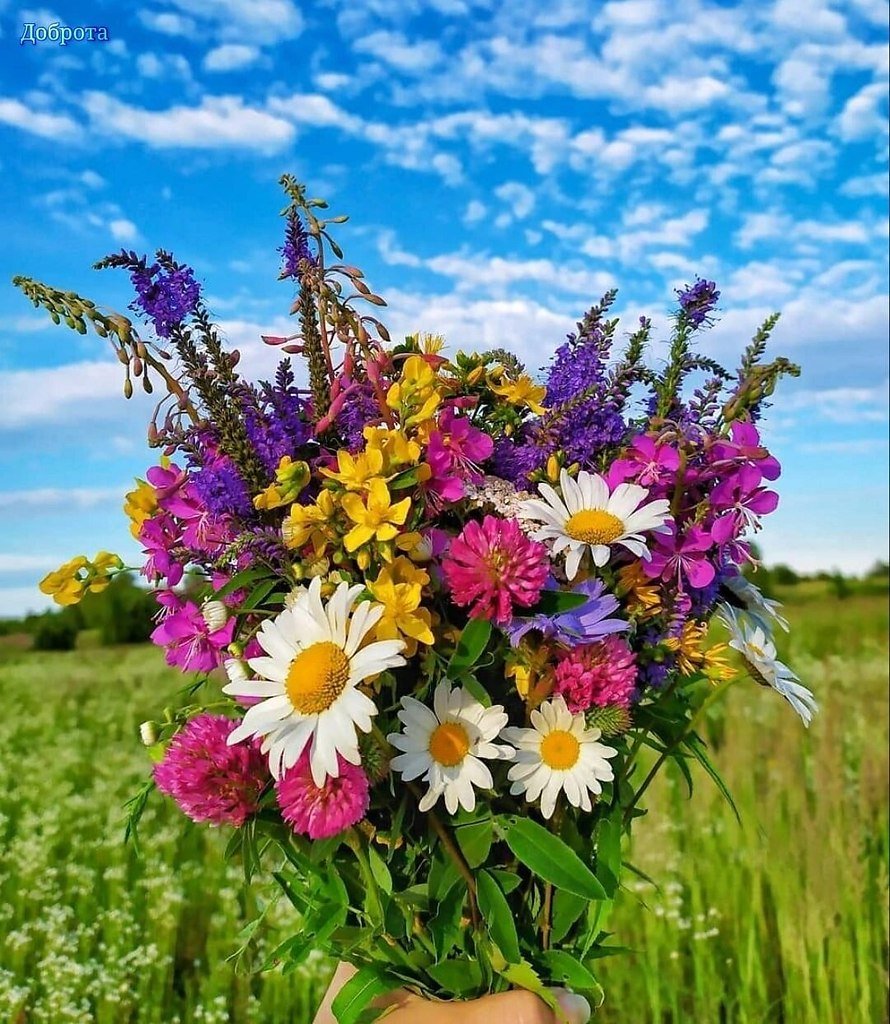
{"x": 575, "y": 1007}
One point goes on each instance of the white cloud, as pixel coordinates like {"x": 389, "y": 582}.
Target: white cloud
{"x": 219, "y": 122}
{"x": 37, "y": 122}
{"x": 164, "y": 66}
{"x": 230, "y": 57}
{"x": 518, "y": 197}
{"x": 42, "y": 499}
{"x": 92, "y": 180}
{"x": 474, "y": 212}
{"x": 866, "y": 185}
{"x": 58, "y": 394}
{"x": 123, "y": 230}
{"x": 260, "y": 21}
{"x": 416, "y": 57}
{"x": 18, "y": 601}
{"x": 528, "y": 328}
{"x": 15, "y": 562}
{"x": 864, "y": 115}
{"x": 167, "y": 23}
{"x": 315, "y": 111}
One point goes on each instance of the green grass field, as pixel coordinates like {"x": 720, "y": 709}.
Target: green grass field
{"x": 781, "y": 919}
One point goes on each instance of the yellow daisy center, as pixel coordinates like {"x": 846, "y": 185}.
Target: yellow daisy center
{"x": 449, "y": 744}
{"x": 560, "y": 750}
{"x": 317, "y": 677}
{"x": 594, "y": 526}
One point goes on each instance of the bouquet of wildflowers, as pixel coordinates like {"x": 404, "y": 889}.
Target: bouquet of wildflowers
{"x": 460, "y": 612}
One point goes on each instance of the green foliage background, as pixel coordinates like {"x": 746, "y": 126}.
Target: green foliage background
{"x": 781, "y": 919}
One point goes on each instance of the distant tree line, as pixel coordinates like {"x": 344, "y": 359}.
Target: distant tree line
{"x": 120, "y": 614}
{"x": 124, "y": 612}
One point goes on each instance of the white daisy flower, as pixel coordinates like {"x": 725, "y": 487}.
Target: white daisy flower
{"x": 759, "y": 609}
{"x": 445, "y": 744}
{"x": 310, "y": 680}
{"x": 587, "y": 517}
{"x": 759, "y": 652}
{"x": 559, "y": 754}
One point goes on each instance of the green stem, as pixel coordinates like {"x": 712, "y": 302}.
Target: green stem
{"x": 355, "y": 843}
{"x": 669, "y": 750}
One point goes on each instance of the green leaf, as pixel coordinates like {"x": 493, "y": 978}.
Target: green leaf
{"x": 550, "y": 858}
{"x": 555, "y": 602}
{"x": 241, "y": 580}
{"x": 696, "y": 747}
{"x": 258, "y": 595}
{"x": 498, "y": 916}
{"x": 507, "y": 880}
{"x": 475, "y": 841}
{"x": 408, "y": 478}
{"x": 472, "y": 643}
{"x": 379, "y": 870}
{"x": 567, "y": 908}
{"x": 476, "y": 688}
{"x": 523, "y": 975}
{"x": 608, "y": 852}
{"x": 564, "y": 969}
{"x": 457, "y": 977}
{"x": 445, "y": 927}
{"x": 367, "y": 985}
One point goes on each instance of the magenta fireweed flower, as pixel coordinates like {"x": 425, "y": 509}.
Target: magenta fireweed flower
{"x": 322, "y": 811}
{"x": 744, "y": 445}
{"x": 167, "y": 482}
{"x": 739, "y": 502}
{"x": 454, "y": 452}
{"x": 597, "y": 675}
{"x": 210, "y": 780}
{"x": 159, "y": 536}
{"x": 189, "y": 642}
{"x": 493, "y": 566}
{"x": 647, "y": 464}
{"x": 682, "y": 557}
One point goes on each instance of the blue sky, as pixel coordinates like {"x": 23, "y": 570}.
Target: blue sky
{"x": 503, "y": 163}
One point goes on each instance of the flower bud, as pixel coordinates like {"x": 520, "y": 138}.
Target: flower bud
{"x": 148, "y": 733}
{"x": 236, "y": 670}
{"x": 215, "y": 614}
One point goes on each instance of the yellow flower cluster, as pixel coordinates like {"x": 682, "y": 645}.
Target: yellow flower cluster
{"x": 140, "y": 504}
{"x": 694, "y": 657}
{"x": 68, "y": 584}
{"x": 290, "y": 478}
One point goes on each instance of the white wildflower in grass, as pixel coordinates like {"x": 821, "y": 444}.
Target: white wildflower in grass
{"x": 759, "y": 652}
{"x": 559, "y": 754}
{"x": 447, "y": 744}
{"x": 309, "y": 680}
{"x": 587, "y": 517}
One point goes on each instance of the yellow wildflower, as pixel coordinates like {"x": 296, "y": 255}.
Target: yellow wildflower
{"x": 522, "y": 392}
{"x": 399, "y": 588}
{"x": 68, "y": 584}
{"x": 101, "y": 570}
{"x": 140, "y": 504}
{"x": 643, "y": 595}
{"x": 430, "y": 344}
{"x": 415, "y": 396}
{"x": 693, "y": 657}
{"x": 65, "y": 585}
{"x": 394, "y": 447}
{"x": 375, "y": 517}
{"x": 529, "y": 668}
{"x": 305, "y": 523}
{"x": 290, "y": 478}
{"x": 356, "y": 472}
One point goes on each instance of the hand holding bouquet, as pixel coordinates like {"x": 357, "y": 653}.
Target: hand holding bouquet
{"x": 457, "y": 608}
